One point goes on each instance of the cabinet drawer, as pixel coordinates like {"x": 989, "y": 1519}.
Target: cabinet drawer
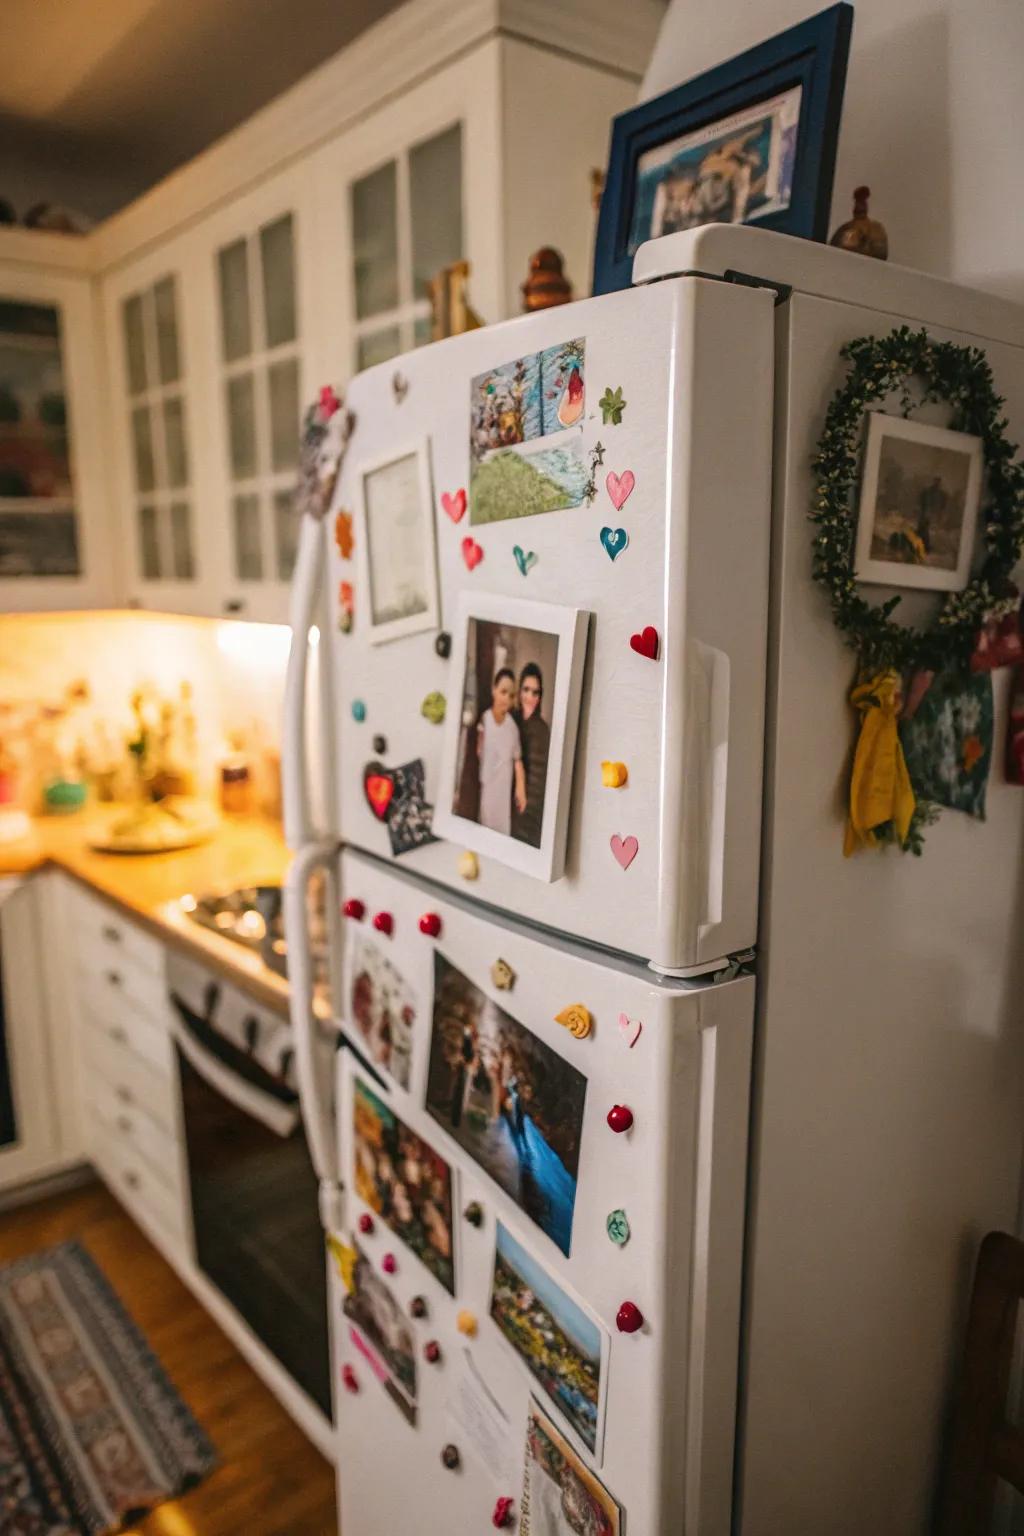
{"x": 139, "y": 1188}
{"x": 122, "y": 984}
{"x": 133, "y": 1130}
{"x": 132, "y": 1079}
{"x": 104, "y": 938}
{"x": 131, "y": 1031}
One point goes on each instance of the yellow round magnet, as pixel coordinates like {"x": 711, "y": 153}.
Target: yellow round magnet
{"x": 614, "y": 775}
{"x": 576, "y": 1019}
{"x": 469, "y": 865}
{"x": 466, "y": 1323}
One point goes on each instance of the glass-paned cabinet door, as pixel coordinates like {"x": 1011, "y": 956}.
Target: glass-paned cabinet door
{"x": 38, "y": 518}
{"x": 54, "y": 501}
{"x": 260, "y": 364}
{"x": 162, "y": 499}
{"x": 406, "y": 223}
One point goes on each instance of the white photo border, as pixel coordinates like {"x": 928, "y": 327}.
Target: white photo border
{"x": 430, "y": 618}
{"x": 571, "y": 627}
{"x": 892, "y": 573}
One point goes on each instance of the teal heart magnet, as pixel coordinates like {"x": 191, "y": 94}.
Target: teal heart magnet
{"x": 525, "y": 558}
{"x": 614, "y": 541}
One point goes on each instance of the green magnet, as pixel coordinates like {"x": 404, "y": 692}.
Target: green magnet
{"x": 617, "y": 1227}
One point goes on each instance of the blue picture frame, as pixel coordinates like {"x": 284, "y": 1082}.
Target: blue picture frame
{"x": 799, "y": 74}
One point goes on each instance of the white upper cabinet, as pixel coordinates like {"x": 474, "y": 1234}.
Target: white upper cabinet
{"x": 295, "y": 252}
{"x": 259, "y": 314}
{"x": 156, "y": 435}
{"x": 55, "y": 545}
{"x": 399, "y": 196}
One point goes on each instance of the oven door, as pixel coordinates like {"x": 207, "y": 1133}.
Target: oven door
{"x": 254, "y": 1198}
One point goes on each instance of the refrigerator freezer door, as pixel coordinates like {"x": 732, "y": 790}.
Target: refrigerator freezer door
{"x": 667, "y": 455}
{"x": 456, "y": 1019}
{"x": 891, "y": 1052}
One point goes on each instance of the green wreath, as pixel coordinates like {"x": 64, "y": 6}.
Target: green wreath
{"x": 961, "y": 377}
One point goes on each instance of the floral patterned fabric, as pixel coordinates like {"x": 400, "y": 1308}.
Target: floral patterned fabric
{"x": 947, "y": 739}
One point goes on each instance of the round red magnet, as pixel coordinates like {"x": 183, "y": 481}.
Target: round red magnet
{"x": 629, "y": 1318}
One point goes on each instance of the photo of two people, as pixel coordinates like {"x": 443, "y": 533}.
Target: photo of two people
{"x": 505, "y": 737}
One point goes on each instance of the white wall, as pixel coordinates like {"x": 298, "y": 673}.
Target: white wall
{"x": 933, "y": 119}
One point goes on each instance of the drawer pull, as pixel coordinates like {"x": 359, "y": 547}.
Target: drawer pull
{"x": 111, "y": 934}
{"x": 124, "y": 1124}
{"x": 113, "y": 977}
{"x": 132, "y": 1180}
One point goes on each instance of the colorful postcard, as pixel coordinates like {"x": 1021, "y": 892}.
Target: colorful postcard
{"x": 735, "y": 170}
{"x": 508, "y": 1099}
{"x": 560, "y": 1344}
{"x": 382, "y": 1011}
{"x": 525, "y": 443}
{"x": 371, "y": 1307}
{"x": 561, "y": 1496}
{"x": 405, "y": 1182}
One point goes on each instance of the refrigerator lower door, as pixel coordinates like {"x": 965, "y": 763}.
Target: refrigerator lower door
{"x": 535, "y": 1142}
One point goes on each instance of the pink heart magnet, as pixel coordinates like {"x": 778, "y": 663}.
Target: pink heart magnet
{"x": 620, "y": 487}
{"x": 455, "y": 505}
{"x": 471, "y": 553}
{"x": 625, "y": 849}
{"x": 629, "y": 1029}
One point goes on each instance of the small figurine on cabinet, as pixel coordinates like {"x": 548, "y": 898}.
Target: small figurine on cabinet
{"x": 547, "y": 284}
{"x": 867, "y": 237}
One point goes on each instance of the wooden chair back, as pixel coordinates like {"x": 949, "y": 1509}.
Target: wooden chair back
{"x": 983, "y": 1446}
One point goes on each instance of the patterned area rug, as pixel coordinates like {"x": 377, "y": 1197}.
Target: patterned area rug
{"x": 92, "y": 1434}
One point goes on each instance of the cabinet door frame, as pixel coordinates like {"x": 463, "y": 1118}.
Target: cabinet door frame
{"x": 29, "y": 1046}
{"x": 74, "y": 297}
{"x": 467, "y": 91}
{"x": 189, "y": 595}
{"x": 289, "y": 193}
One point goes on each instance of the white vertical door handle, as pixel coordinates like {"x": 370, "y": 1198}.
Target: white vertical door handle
{"x": 314, "y": 1047}
{"x": 298, "y": 820}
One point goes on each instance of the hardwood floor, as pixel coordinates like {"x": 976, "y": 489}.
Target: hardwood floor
{"x": 270, "y": 1481}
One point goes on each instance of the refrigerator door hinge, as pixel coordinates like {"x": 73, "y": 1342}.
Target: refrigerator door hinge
{"x": 741, "y": 964}
{"x": 332, "y": 1206}
{"x": 782, "y": 291}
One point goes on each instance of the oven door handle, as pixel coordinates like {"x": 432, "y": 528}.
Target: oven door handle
{"x": 280, "y": 1118}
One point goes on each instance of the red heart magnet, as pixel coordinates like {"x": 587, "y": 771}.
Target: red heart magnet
{"x": 379, "y": 789}
{"x": 646, "y": 642}
{"x": 455, "y": 505}
{"x": 471, "y": 552}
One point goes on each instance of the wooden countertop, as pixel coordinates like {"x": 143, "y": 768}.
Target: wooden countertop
{"x": 148, "y": 886}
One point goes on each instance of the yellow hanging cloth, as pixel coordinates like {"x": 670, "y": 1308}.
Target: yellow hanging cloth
{"x": 880, "y": 788}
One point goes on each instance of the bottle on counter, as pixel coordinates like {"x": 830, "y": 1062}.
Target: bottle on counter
{"x": 236, "y": 780}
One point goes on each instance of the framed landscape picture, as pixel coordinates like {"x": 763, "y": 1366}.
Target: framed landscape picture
{"x": 395, "y": 544}
{"x": 750, "y": 142}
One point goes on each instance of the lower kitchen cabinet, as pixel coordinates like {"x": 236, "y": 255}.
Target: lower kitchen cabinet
{"x": 128, "y": 1086}
{"x": 34, "y": 1141}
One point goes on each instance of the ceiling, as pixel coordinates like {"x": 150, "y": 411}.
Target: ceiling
{"x": 99, "y": 99}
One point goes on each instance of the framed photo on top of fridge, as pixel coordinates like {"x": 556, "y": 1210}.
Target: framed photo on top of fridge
{"x": 750, "y": 142}
{"x": 396, "y": 555}
{"x": 510, "y": 730}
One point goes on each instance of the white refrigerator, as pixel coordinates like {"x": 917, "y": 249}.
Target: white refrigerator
{"x": 661, "y": 1136}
